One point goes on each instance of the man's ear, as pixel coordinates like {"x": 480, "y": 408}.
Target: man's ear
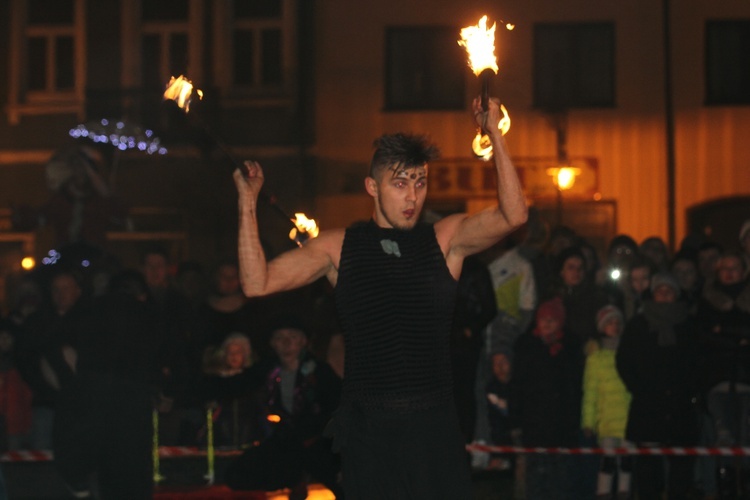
{"x": 371, "y": 186}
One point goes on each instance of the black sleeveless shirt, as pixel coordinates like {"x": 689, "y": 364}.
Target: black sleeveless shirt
{"x": 395, "y": 298}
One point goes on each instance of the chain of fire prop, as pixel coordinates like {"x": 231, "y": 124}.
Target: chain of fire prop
{"x": 479, "y": 42}
{"x": 181, "y": 91}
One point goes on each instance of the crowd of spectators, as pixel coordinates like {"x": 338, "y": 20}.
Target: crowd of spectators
{"x": 553, "y": 345}
{"x": 100, "y": 365}
{"x": 643, "y": 348}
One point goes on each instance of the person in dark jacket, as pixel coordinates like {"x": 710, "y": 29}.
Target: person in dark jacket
{"x": 103, "y": 424}
{"x": 657, "y": 360}
{"x": 545, "y": 400}
{"x": 723, "y": 314}
{"x": 298, "y": 397}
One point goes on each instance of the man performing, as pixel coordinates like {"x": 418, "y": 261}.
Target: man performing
{"x": 395, "y": 287}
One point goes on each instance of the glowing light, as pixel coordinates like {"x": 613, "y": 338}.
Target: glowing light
{"x": 615, "y": 274}
{"x": 564, "y": 177}
{"x": 479, "y": 42}
{"x": 180, "y": 90}
{"x": 124, "y": 136}
{"x": 51, "y": 258}
{"x": 480, "y": 46}
{"x": 273, "y": 418}
{"x": 481, "y": 144}
{"x": 28, "y": 263}
{"x": 304, "y": 229}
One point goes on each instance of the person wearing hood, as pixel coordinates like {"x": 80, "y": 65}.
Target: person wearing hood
{"x": 604, "y": 411}
{"x": 657, "y": 360}
{"x": 723, "y": 315}
{"x": 545, "y": 401}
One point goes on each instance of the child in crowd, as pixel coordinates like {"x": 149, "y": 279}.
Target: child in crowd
{"x": 546, "y": 401}
{"x": 605, "y": 403}
{"x": 639, "y": 281}
{"x": 498, "y": 412}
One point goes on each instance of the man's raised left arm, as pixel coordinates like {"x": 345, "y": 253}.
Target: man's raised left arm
{"x": 466, "y": 235}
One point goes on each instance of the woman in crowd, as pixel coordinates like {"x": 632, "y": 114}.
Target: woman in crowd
{"x": 657, "y": 360}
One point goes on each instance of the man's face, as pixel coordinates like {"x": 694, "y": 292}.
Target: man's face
{"x": 501, "y": 367}
{"x": 572, "y": 271}
{"x": 729, "y": 270}
{"x": 155, "y": 270}
{"x": 621, "y": 256}
{"x": 65, "y": 292}
{"x": 227, "y": 280}
{"x": 640, "y": 279}
{"x": 288, "y": 343}
{"x": 399, "y": 197}
{"x": 686, "y": 274}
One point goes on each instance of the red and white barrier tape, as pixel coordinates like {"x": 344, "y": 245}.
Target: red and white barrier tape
{"x": 672, "y": 451}
{"x": 191, "y": 451}
{"x": 164, "y": 452}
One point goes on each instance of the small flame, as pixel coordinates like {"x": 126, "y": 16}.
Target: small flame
{"x": 273, "y": 418}
{"x": 180, "y": 90}
{"x": 481, "y": 144}
{"x": 304, "y": 229}
{"x": 480, "y": 46}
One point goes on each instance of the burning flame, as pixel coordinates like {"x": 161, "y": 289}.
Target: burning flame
{"x": 564, "y": 177}
{"x": 180, "y": 90}
{"x": 273, "y": 418}
{"x": 481, "y": 144}
{"x": 304, "y": 229}
{"x": 480, "y": 46}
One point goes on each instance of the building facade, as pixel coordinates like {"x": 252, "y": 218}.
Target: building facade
{"x": 648, "y": 100}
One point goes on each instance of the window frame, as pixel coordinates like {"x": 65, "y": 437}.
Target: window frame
{"x": 134, "y": 28}
{"x": 576, "y": 98}
{"x": 714, "y": 96}
{"x": 223, "y": 59}
{"x": 461, "y": 66}
{"x": 50, "y": 100}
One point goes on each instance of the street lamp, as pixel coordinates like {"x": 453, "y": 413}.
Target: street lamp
{"x": 563, "y": 177}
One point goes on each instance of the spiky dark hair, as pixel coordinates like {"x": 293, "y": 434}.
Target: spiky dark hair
{"x": 396, "y": 152}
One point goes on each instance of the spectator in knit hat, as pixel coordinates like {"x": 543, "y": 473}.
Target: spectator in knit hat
{"x": 545, "y": 399}
{"x": 606, "y": 402}
{"x": 657, "y": 360}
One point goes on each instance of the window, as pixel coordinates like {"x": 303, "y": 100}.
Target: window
{"x": 728, "y": 62}
{"x": 425, "y": 69}
{"x": 165, "y": 43}
{"x": 574, "y": 66}
{"x": 254, "y": 47}
{"x": 47, "y": 68}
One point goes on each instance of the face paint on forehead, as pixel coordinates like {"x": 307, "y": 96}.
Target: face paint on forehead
{"x": 411, "y": 172}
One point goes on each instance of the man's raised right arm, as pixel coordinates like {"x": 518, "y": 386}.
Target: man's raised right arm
{"x": 290, "y": 270}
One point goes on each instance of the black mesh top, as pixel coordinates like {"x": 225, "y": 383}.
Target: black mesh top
{"x": 395, "y": 298}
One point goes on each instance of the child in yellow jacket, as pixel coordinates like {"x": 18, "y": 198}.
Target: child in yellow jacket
{"x": 606, "y": 402}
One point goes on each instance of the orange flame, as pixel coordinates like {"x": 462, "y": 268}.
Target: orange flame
{"x": 180, "y": 90}
{"x": 304, "y": 229}
{"x": 480, "y": 46}
{"x": 273, "y": 418}
{"x": 481, "y": 144}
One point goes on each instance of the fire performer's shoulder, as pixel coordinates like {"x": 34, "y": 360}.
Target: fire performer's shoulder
{"x": 330, "y": 241}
